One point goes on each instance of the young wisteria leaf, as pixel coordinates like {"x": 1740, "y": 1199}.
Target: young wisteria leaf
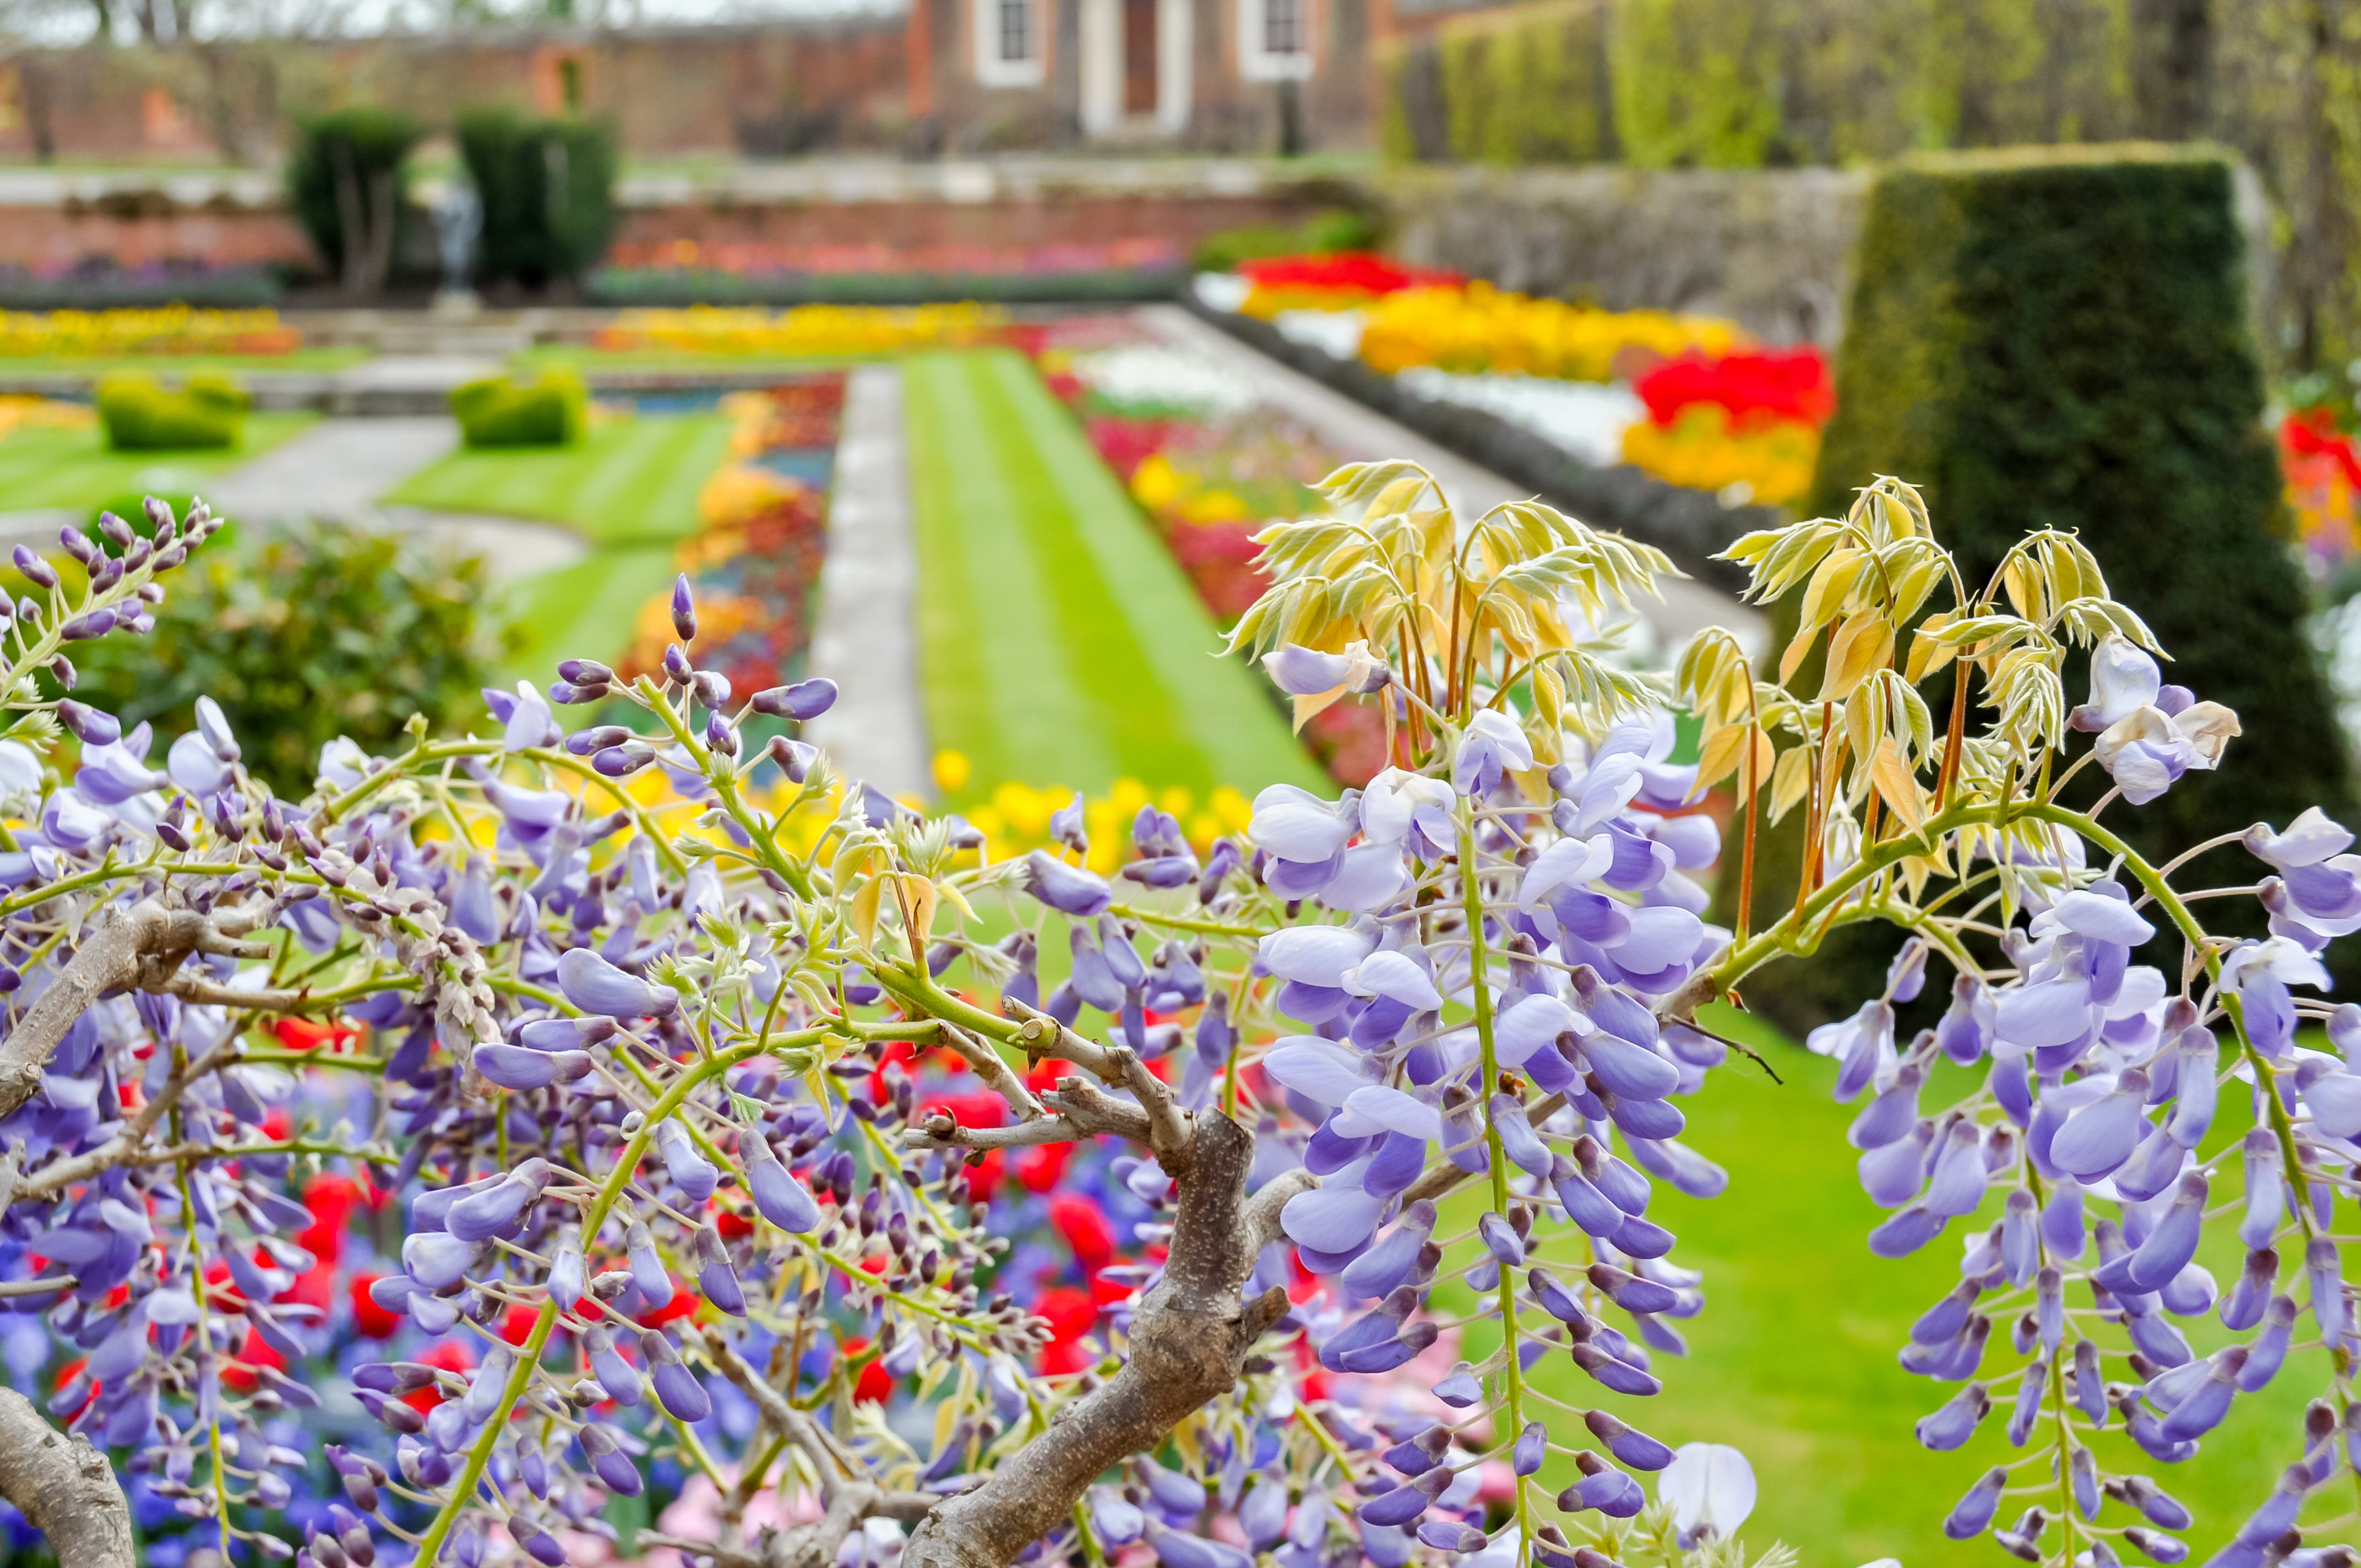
{"x": 1789, "y": 780}
{"x": 1895, "y": 786}
{"x": 1861, "y": 644}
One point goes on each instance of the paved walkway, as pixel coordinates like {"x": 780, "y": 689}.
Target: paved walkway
{"x": 1365, "y": 434}
{"x": 338, "y": 468}
{"x": 866, "y": 636}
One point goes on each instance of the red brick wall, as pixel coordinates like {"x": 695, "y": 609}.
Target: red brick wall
{"x": 1009, "y": 223}
{"x": 54, "y": 237}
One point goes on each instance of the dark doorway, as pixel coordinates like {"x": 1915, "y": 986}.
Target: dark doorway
{"x": 1139, "y": 57}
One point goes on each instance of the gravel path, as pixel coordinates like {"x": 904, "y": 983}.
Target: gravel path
{"x": 865, "y": 639}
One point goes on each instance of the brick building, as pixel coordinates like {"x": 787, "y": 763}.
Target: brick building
{"x": 940, "y": 78}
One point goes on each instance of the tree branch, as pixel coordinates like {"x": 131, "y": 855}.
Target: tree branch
{"x": 123, "y": 1148}
{"x": 992, "y": 1070}
{"x": 1118, "y": 1066}
{"x": 1189, "y": 1342}
{"x": 138, "y": 948}
{"x": 848, "y": 1501}
{"x": 64, "y": 1487}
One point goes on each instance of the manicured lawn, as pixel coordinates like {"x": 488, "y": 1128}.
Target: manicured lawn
{"x": 586, "y": 611}
{"x": 632, "y": 481}
{"x": 1793, "y": 1360}
{"x": 42, "y": 468}
{"x": 1060, "y": 642}
{"x": 171, "y": 367}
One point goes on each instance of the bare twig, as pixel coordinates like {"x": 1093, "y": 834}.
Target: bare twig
{"x": 137, "y": 948}
{"x": 125, "y": 1147}
{"x": 1262, "y": 1210}
{"x": 942, "y": 1132}
{"x": 1166, "y": 1133}
{"x": 848, "y": 1499}
{"x": 64, "y": 1487}
{"x": 992, "y": 1070}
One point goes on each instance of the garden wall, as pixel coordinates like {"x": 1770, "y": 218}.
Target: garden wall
{"x": 49, "y": 221}
{"x": 1770, "y": 248}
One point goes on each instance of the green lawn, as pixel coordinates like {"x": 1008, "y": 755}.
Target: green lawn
{"x": 1060, "y": 642}
{"x": 73, "y": 468}
{"x": 586, "y": 611}
{"x": 1793, "y": 1360}
{"x": 171, "y": 367}
{"x": 634, "y": 481}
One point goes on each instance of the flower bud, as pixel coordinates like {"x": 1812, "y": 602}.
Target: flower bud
{"x": 584, "y": 671}
{"x": 89, "y": 725}
{"x": 803, "y": 701}
{"x": 794, "y": 758}
{"x": 598, "y": 738}
{"x": 684, "y": 612}
{"x": 619, "y": 762}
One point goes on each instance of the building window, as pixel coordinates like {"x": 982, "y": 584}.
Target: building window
{"x": 1274, "y": 39}
{"x": 1282, "y": 26}
{"x": 1008, "y": 43}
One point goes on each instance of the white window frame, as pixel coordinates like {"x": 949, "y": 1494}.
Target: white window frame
{"x": 1257, "y": 63}
{"x": 992, "y": 68}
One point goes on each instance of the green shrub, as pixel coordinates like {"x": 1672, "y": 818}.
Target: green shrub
{"x": 548, "y": 188}
{"x": 306, "y": 635}
{"x": 1330, "y": 229}
{"x": 141, "y": 415}
{"x": 346, "y": 182}
{"x": 496, "y": 411}
{"x": 2059, "y": 340}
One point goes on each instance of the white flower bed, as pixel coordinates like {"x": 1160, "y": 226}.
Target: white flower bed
{"x": 1585, "y": 418}
{"x": 1145, "y": 378}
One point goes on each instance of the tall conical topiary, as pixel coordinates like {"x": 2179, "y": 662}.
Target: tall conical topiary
{"x": 2058, "y": 338}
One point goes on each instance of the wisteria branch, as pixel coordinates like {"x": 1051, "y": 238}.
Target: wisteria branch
{"x": 64, "y": 1487}
{"x": 138, "y": 948}
{"x": 1188, "y": 1344}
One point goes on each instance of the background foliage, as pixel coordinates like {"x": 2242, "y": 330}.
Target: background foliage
{"x": 306, "y": 633}
{"x": 2058, "y": 344}
{"x": 347, "y": 163}
{"x": 1744, "y": 84}
{"x": 548, "y": 192}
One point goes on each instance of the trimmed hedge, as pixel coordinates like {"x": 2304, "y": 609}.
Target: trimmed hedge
{"x": 1330, "y": 229}
{"x": 2058, "y": 338}
{"x": 548, "y": 188}
{"x": 348, "y": 170}
{"x": 142, "y": 415}
{"x": 496, "y": 411}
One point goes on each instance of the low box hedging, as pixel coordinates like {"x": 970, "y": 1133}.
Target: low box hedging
{"x": 141, "y": 414}
{"x": 496, "y": 411}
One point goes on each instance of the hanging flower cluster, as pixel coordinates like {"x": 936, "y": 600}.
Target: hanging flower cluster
{"x": 691, "y": 1127}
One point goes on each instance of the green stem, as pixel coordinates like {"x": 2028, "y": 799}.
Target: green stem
{"x": 463, "y": 1486}
{"x": 1472, "y": 894}
{"x": 725, "y": 791}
